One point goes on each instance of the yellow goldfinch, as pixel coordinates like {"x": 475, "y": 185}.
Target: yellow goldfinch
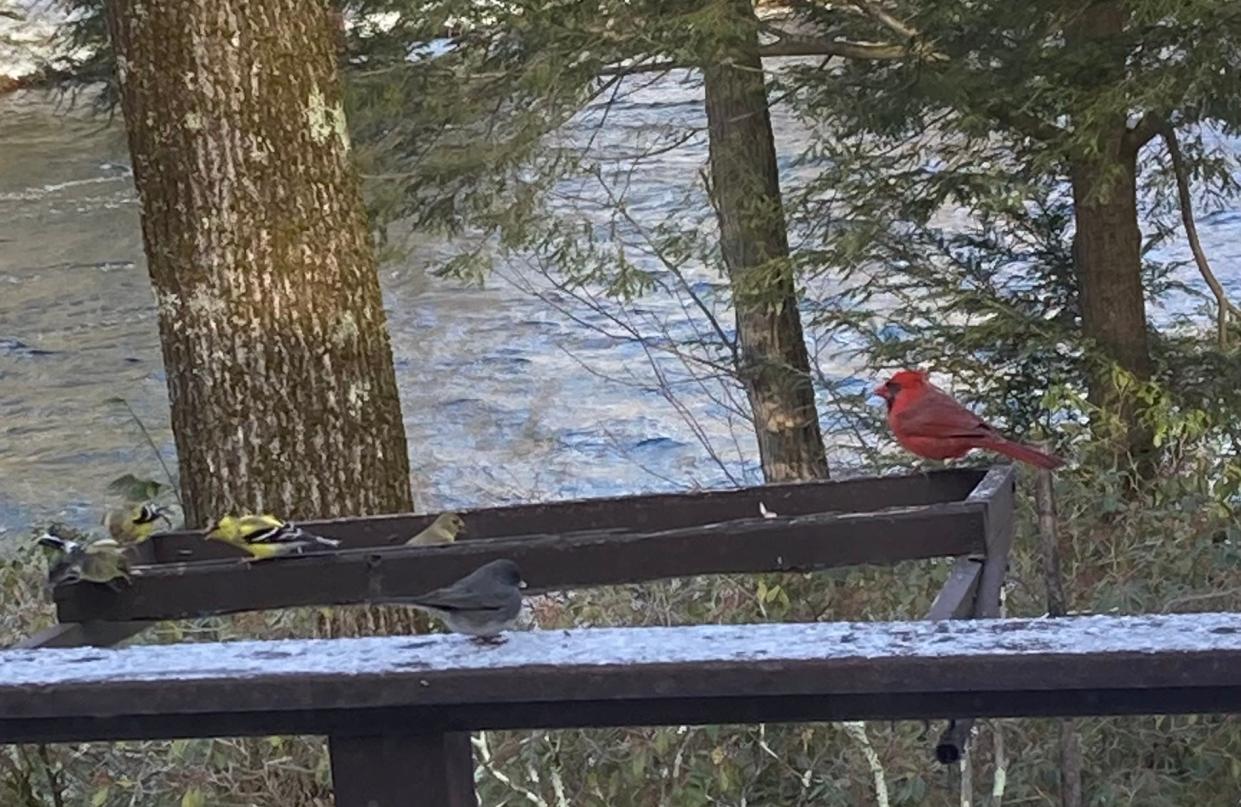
{"x": 135, "y": 523}
{"x": 265, "y": 536}
{"x": 443, "y": 530}
{"x": 102, "y": 561}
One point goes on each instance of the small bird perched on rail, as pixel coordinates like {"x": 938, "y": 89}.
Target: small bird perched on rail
{"x": 265, "y": 536}
{"x": 482, "y": 604}
{"x": 101, "y": 561}
{"x": 443, "y": 530}
{"x": 927, "y": 421}
{"x": 135, "y": 523}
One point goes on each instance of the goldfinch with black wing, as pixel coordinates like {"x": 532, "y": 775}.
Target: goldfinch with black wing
{"x": 102, "y": 561}
{"x": 135, "y": 523}
{"x": 265, "y": 536}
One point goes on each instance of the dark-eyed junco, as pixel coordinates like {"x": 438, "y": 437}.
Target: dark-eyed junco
{"x": 482, "y": 604}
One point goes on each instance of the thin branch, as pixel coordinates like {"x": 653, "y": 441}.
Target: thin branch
{"x": 1045, "y": 504}
{"x": 999, "y": 780}
{"x": 965, "y": 795}
{"x": 1226, "y": 307}
{"x": 53, "y": 782}
{"x": 485, "y": 762}
{"x": 1070, "y": 765}
{"x": 662, "y": 65}
{"x": 1070, "y": 741}
{"x": 885, "y": 19}
{"x": 856, "y": 730}
{"x": 813, "y": 46}
{"x": 1150, "y": 125}
{"x": 1029, "y": 125}
{"x": 1189, "y": 599}
{"x": 789, "y": 45}
{"x": 150, "y": 441}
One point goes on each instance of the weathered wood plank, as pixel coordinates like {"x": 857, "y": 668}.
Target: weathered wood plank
{"x": 401, "y": 770}
{"x": 636, "y": 676}
{"x": 956, "y": 598}
{"x": 639, "y": 513}
{"x": 786, "y": 543}
{"x": 998, "y": 491}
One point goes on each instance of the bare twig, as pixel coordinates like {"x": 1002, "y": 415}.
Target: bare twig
{"x": 856, "y": 730}
{"x": 999, "y": 779}
{"x": 53, "y": 781}
{"x": 789, "y": 45}
{"x": 875, "y": 12}
{"x": 1070, "y": 765}
{"x": 150, "y": 441}
{"x": 1203, "y": 597}
{"x": 1070, "y": 743}
{"x": 1045, "y": 504}
{"x": 1226, "y": 307}
{"x": 485, "y": 762}
{"x": 966, "y": 766}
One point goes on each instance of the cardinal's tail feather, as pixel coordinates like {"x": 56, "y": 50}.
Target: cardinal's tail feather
{"x": 1028, "y": 454}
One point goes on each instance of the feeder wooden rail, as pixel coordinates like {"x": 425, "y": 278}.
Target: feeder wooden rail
{"x": 569, "y": 545}
{"x": 650, "y": 512}
{"x": 550, "y": 562}
{"x": 399, "y": 693}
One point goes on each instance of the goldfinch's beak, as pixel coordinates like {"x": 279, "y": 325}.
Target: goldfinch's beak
{"x": 522, "y": 584}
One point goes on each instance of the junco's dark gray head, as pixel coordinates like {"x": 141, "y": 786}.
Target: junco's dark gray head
{"x": 503, "y": 571}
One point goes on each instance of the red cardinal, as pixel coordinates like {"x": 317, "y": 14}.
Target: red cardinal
{"x": 928, "y": 422}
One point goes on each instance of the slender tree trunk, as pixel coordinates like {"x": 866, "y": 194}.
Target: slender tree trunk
{"x": 774, "y": 365}
{"x": 1108, "y": 243}
{"x": 274, "y": 335}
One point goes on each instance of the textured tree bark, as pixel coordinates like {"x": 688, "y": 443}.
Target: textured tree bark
{"x": 274, "y": 335}
{"x": 772, "y": 358}
{"x": 1108, "y": 243}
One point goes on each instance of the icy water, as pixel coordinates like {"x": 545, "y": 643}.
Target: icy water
{"x": 504, "y": 398}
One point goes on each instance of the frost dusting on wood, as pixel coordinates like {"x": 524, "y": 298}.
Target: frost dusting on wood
{"x": 627, "y": 648}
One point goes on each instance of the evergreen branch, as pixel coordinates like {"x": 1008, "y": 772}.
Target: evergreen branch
{"x": 1029, "y": 125}
{"x": 1226, "y": 306}
{"x": 885, "y": 19}
{"x": 789, "y": 45}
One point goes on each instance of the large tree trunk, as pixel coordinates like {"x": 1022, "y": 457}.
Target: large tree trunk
{"x": 1108, "y": 242}
{"x": 774, "y": 365}
{"x": 274, "y": 335}
{"x": 1107, "y": 253}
